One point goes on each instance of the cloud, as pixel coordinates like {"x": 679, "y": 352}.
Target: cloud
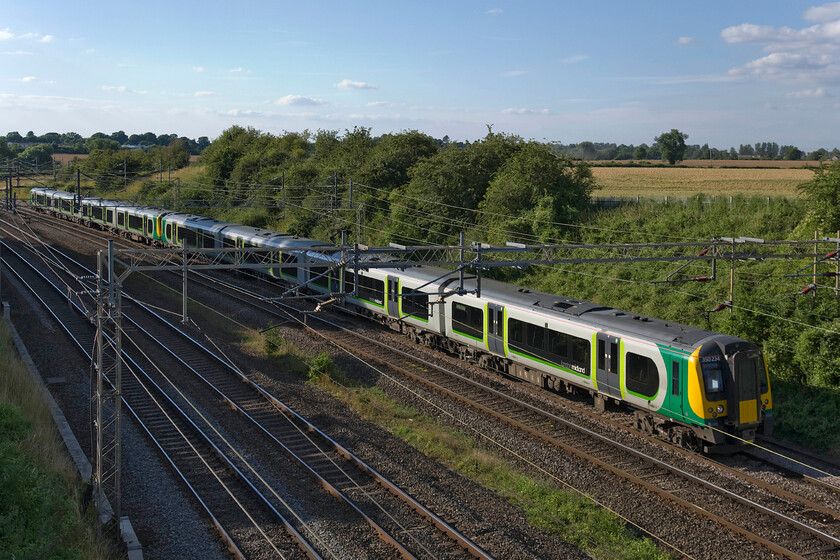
{"x": 685, "y": 40}
{"x": 239, "y": 70}
{"x": 378, "y": 104}
{"x": 494, "y": 12}
{"x": 809, "y": 55}
{"x": 514, "y": 73}
{"x": 349, "y": 84}
{"x": 17, "y": 53}
{"x": 7, "y": 35}
{"x": 523, "y": 111}
{"x": 826, "y": 12}
{"x": 122, "y": 89}
{"x": 28, "y": 79}
{"x": 204, "y": 93}
{"x": 574, "y": 59}
{"x": 299, "y": 100}
{"x": 198, "y": 69}
{"x": 817, "y": 93}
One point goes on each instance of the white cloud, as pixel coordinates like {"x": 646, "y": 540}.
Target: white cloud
{"x": 574, "y": 59}
{"x": 523, "y": 111}
{"x": 514, "y": 73}
{"x": 17, "y": 53}
{"x": 198, "y": 69}
{"x": 817, "y": 93}
{"x": 494, "y": 11}
{"x": 826, "y": 12}
{"x": 685, "y": 40}
{"x": 122, "y": 89}
{"x": 299, "y": 100}
{"x": 239, "y": 70}
{"x": 807, "y": 56}
{"x": 349, "y": 84}
{"x": 28, "y": 79}
{"x": 204, "y": 93}
{"x": 7, "y": 34}
{"x": 378, "y": 104}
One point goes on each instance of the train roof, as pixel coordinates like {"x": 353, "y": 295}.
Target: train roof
{"x": 266, "y": 237}
{"x": 586, "y": 313}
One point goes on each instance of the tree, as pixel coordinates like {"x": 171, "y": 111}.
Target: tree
{"x": 746, "y": 150}
{"x": 534, "y": 195}
{"x": 823, "y": 192}
{"x": 101, "y": 143}
{"x": 641, "y": 152}
{"x": 672, "y": 145}
{"x": 791, "y": 153}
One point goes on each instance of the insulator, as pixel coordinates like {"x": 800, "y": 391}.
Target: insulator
{"x": 702, "y": 279}
{"x": 720, "y": 307}
{"x": 807, "y": 289}
{"x": 703, "y": 252}
{"x": 830, "y": 274}
{"x": 831, "y": 255}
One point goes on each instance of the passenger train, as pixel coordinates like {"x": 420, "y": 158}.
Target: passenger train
{"x": 697, "y": 388}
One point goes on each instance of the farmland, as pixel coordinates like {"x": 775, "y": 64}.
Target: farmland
{"x": 688, "y": 181}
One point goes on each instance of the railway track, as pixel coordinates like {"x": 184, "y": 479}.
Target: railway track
{"x": 384, "y": 507}
{"x": 787, "y": 532}
{"x": 221, "y": 488}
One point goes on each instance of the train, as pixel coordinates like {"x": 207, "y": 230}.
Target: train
{"x": 698, "y": 389}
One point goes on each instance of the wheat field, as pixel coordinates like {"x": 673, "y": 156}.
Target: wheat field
{"x": 688, "y": 181}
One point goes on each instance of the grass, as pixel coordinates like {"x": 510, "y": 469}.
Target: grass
{"x": 688, "y": 181}
{"x": 40, "y": 513}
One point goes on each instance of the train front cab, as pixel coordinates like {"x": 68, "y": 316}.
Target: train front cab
{"x": 730, "y": 391}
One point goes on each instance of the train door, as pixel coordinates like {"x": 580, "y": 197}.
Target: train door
{"x": 394, "y": 297}
{"x": 607, "y": 364}
{"x": 677, "y": 389}
{"x": 496, "y": 328}
{"x": 745, "y": 402}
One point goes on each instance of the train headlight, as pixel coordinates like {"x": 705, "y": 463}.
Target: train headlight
{"x": 719, "y": 409}
{"x": 766, "y": 401}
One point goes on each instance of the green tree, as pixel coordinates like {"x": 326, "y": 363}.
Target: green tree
{"x": 534, "y": 195}
{"x": 38, "y": 154}
{"x": 444, "y": 190}
{"x": 100, "y": 143}
{"x": 823, "y": 192}
{"x": 672, "y": 145}
{"x": 640, "y": 152}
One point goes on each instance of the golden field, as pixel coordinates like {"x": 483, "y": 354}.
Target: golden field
{"x": 688, "y": 181}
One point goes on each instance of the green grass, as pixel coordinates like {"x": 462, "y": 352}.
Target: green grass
{"x": 40, "y": 514}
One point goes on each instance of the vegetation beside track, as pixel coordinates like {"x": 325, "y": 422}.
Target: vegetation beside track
{"x": 574, "y": 517}
{"x": 40, "y": 492}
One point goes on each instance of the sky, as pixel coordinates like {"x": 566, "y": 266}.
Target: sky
{"x": 725, "y": 73}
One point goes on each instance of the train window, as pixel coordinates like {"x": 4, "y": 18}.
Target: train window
{"x": 747, "y": 370}
{"x": 415, "y": 304}
{"x": 150, "y": 226}
{"x": 580, "y": 352}
{"x": 675, "y": 379}
{"x": 371, "y": 290}
{"x": 551, "y": 346}
{"x": 186, "y": 237}
{"x": 315, "y": 273}
{"x": 468, "y": 320}
{"x": 110, "y": 216}
{"x": 291, "y": 258}
{"x": 712, "y": 377}
{"x": 121, "y": 219}
{"x": 135, "y": 222}
{"x": 169, "y": 232}
{"x": 614, "y": 357}
{"x": 602, "y": 352}
{"x": 66, "y": 205}
{"x": 229, "y": 243}
{"x": 97, "y": 212}
{"x": 641, "y": 375}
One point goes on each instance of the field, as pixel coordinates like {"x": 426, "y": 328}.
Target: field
{"x": 688, "y": 181}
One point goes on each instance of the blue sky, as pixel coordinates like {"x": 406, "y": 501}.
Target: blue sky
{"x": 724, "y": 72}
